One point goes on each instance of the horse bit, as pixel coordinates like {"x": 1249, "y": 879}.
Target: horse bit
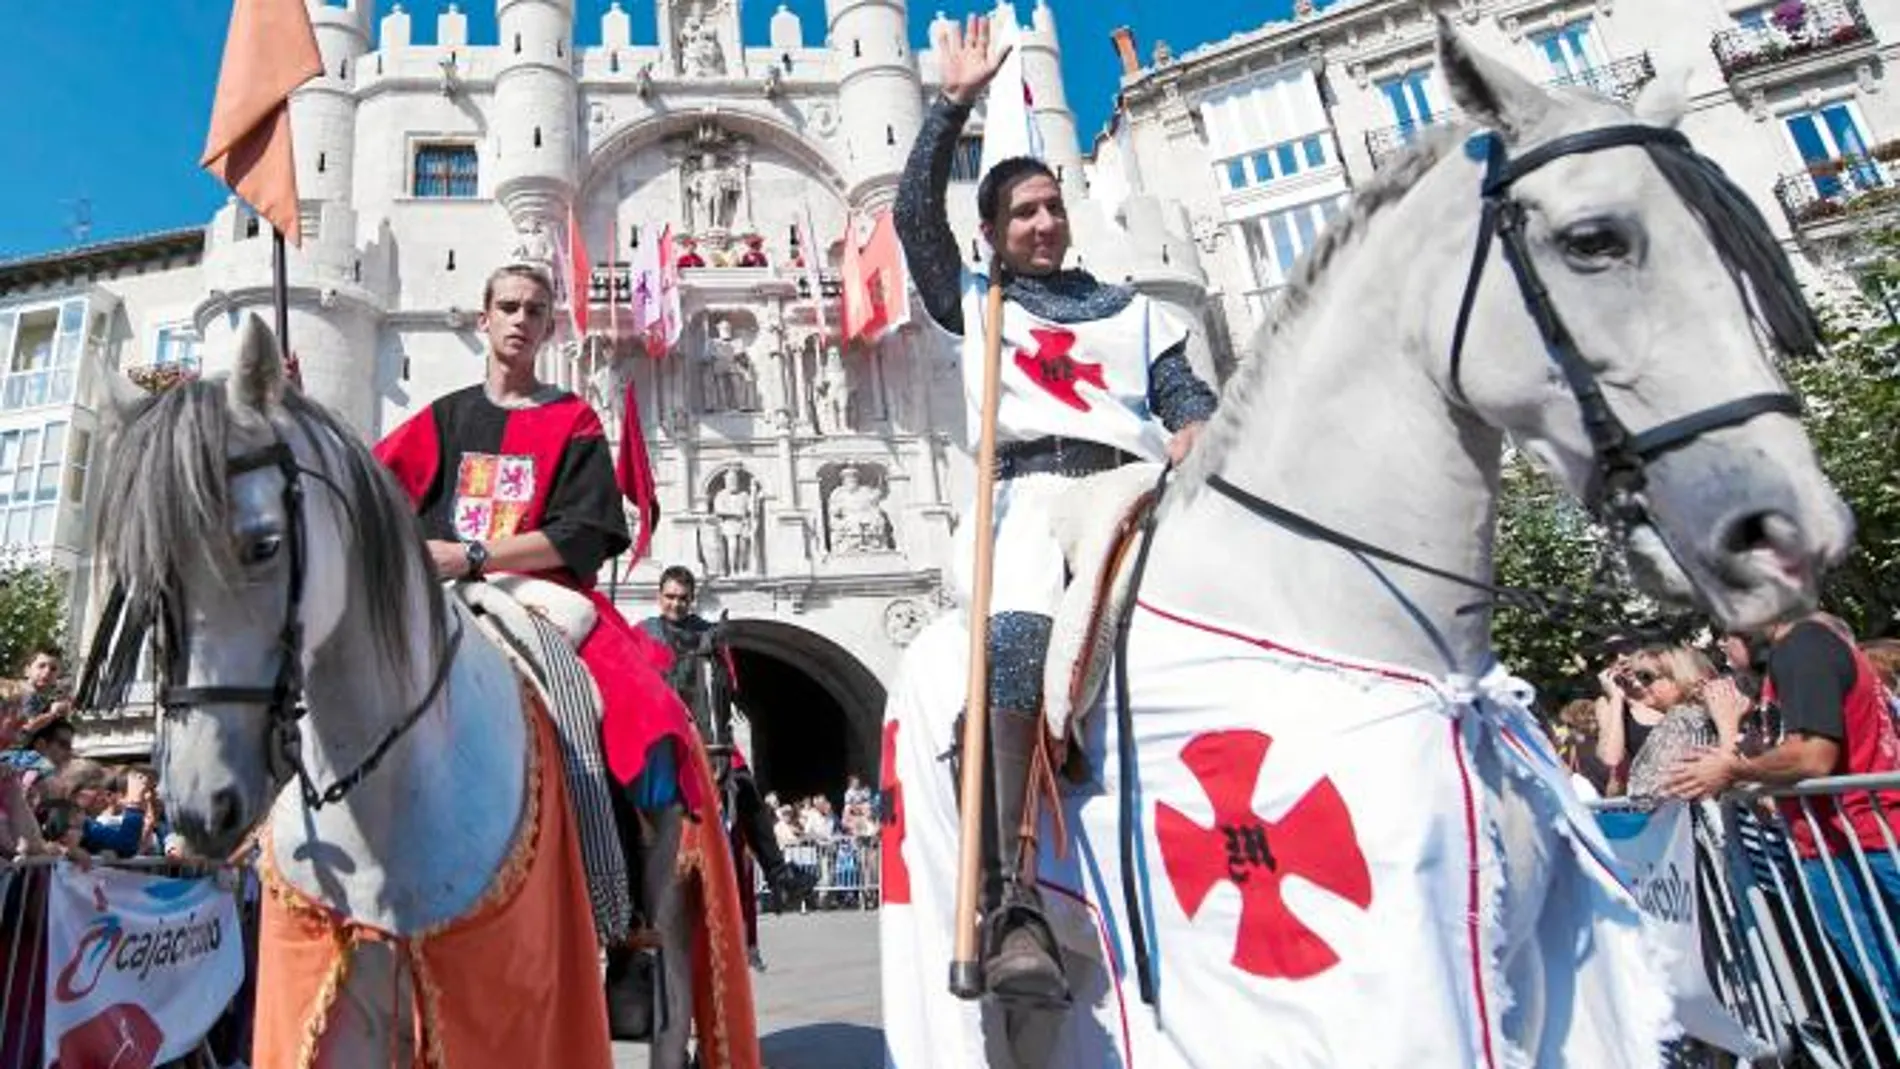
{"x": 283, "y": 699}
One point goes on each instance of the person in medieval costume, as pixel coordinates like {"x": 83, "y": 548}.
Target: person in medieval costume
{"x": 514, "y": 475}
{"x": 681, "y": 632}
{"x": 1093, "y": 376}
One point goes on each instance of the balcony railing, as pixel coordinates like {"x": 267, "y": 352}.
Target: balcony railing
{"x": 1793, "y": 30}
{"x": 1388, "y": 141}
{"x": 1836, "y": 191}
{"x": 618, "y": 281}
{"x": 1620, "y": 78}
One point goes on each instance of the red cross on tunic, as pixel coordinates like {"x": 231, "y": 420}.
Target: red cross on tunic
{"x": 1053, "y": 368}
{"x": 896, "y": 889}
{"x": 1314, "y": 840}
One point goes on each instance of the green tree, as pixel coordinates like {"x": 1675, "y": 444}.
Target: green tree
{"x": 1852, "y": 396}
{"x": 32, "y": 612}
{"x": 1546, "y": 543}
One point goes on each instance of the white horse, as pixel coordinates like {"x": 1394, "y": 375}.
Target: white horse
{"x": 1346, "y": 843}
{"x": 305, "y": 639}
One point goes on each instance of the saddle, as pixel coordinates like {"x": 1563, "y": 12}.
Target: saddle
{"x": 538, "y": 630}
{"x": 1098, "y": 526}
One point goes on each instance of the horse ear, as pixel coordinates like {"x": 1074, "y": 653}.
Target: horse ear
{"x": 257, "y": 376}
{"x": 1488, "y": 91}
{"x": 1665, "y": 99}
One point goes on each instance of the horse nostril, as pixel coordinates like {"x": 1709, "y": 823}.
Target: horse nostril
{"x": 226, "y": 812}
{"x": 1769, "y": 531}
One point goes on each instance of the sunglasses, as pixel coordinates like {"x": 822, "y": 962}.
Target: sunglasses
{"x": 1638, "y": 678}
{"x": 536, "y": 309}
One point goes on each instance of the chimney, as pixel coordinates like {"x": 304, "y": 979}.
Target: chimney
{"x": 1124, "y": 39}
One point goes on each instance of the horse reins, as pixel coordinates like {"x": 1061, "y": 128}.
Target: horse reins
{"x": 1614, "y": 495}
{"x": 283, "y": 699}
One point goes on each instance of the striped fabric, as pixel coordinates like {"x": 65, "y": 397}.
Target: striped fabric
{"x": 574, "y": 704}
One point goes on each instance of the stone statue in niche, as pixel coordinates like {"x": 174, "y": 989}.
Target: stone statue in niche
{"x": 856, "y": 517}
{"x": 832, "y": 393}
{"x": 736, "y": 508}
{"x": 700, "y": 54}
{"x": 768, "y": 362}
{"x": 713, "y": 192}
{"x": 731, "y": 381}
{"x": 533, "y": 246}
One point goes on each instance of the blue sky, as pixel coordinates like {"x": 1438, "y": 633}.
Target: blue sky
{"x": 109, "y": 98}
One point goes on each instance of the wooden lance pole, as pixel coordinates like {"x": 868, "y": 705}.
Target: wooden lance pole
{"x": 966, "y": 973}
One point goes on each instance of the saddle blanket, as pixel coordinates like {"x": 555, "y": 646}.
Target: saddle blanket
{"x": 1326, "y": 873}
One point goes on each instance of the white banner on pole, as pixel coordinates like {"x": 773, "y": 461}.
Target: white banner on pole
{"x": 1657, "y": 850}
{"x": 138, "y": 967}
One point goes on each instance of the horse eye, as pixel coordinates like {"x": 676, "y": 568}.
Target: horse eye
{"x": 1595, "y": 241}
{"x": 262, "y": 549}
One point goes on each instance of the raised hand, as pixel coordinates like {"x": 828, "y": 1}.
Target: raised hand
{"x": 964, "y": 60}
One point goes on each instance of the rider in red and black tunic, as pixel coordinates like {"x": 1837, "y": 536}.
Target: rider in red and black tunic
{"x": 514, "y": 475}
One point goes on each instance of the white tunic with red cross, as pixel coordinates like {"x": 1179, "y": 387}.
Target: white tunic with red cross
{"x": 1086, "y": 380}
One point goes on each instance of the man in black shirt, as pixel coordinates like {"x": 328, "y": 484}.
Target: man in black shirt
{"x": 685, "y": 633}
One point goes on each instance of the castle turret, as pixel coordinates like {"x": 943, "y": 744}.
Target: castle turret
{"x": 1042, "y": 71}
{"x": 880, "y": 97}
{"x": 323, "y": 111}
{"x": 535, "y": 114}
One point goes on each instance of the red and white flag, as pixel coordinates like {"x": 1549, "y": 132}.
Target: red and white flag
{"x": 579, "y": 273}
{"x": 656, "y": 295}
{"x": 876, "y": 282}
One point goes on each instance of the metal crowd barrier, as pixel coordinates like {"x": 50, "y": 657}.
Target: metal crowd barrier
{"x": 24, "y": 888}
{"x": 848, "y": 871}
{"x": 1802, "y": 951}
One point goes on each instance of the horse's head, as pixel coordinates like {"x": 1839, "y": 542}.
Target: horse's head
{"x": 1648, "y": 387}
{"x": 227, "y": 520}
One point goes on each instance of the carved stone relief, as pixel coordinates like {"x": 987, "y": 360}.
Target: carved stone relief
{"x": 904, "y": 619}
{"x": 855, "y": 519}
{"x": 729, "y": 541}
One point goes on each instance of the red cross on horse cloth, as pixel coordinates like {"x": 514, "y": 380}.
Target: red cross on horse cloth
{"x": 1313, "y": 840}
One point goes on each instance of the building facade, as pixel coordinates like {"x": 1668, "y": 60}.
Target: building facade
{"x": 1263, "y": 135}
{"x": 814, "y": 486}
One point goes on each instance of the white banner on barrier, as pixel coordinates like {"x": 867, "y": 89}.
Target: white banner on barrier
{"x": 1657, "y": 850}
{"x": 138, "y": 967}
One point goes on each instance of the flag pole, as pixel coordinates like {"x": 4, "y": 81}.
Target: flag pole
{"x": 966, "y": 973}
{"x": 280, "y": 289}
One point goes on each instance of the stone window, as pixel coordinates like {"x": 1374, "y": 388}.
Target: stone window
{"x": 444, "y": 170}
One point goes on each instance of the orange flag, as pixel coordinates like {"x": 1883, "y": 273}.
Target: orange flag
{"x": 269, "y": 51}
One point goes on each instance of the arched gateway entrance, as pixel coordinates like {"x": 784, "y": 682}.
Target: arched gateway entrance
{"x": 815, "y": 710}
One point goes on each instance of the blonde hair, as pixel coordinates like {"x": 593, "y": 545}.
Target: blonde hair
{"x": 1686, "y": 666}
{"x": 1885, "y": 655}
{"x": 12, "y": 693}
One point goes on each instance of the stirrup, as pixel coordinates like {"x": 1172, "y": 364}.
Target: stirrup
{"x": 1049, "y": 991}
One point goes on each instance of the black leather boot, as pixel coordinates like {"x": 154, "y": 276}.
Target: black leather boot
{"x": 1022, "y": 963}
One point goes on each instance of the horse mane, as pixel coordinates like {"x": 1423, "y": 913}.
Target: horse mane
{"x": 167, "y": 496}
{"x": 1284, "y": 329}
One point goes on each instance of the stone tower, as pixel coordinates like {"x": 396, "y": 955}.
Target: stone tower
{"x": 880, "y": 97}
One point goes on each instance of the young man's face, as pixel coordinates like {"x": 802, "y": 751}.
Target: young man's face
{"x": 43, "y": 672}
{"x": 518, "y": 319}
{"x": 1035, "y": 234}
{"x": 676, "y": 600}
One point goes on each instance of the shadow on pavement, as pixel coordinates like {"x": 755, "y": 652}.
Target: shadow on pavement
{"x": 824, "y": 1046}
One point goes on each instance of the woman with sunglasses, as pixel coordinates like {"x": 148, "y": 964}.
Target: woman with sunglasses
{"x": 1662, "y": 715}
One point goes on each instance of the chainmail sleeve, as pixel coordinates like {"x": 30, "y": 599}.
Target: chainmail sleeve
{"x": 922, "y": 216}
{"x": 1176, "y": 393}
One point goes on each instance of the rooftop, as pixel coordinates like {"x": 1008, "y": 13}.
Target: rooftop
{"x": 85, "y": 261}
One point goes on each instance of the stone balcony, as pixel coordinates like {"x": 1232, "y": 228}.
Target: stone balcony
{"x": 1797, "y": 40}
{"x": 1839, "y": 198}
{"x": 1620, "y": 79}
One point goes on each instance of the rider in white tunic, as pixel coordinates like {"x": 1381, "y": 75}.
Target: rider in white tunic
{"x": 1093, "y": 377}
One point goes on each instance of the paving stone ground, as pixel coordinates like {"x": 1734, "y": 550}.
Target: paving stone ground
{"x": 818, "y": 998}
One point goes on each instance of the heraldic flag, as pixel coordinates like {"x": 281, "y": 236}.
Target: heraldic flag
{"x": 269, "y": 51}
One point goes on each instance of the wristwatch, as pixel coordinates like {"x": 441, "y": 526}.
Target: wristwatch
{"x": 477, "y": 559}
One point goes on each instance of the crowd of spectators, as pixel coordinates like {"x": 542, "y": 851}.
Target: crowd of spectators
{"x": 813, "y": 820}
{"x": 54, "y": 803}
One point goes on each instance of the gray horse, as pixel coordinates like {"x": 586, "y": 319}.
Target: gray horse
{"x": 1324, "y": 830}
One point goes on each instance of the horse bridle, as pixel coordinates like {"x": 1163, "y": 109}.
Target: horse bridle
{"x": 1621, "y": 457}
{"x": 283, "y": 698}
